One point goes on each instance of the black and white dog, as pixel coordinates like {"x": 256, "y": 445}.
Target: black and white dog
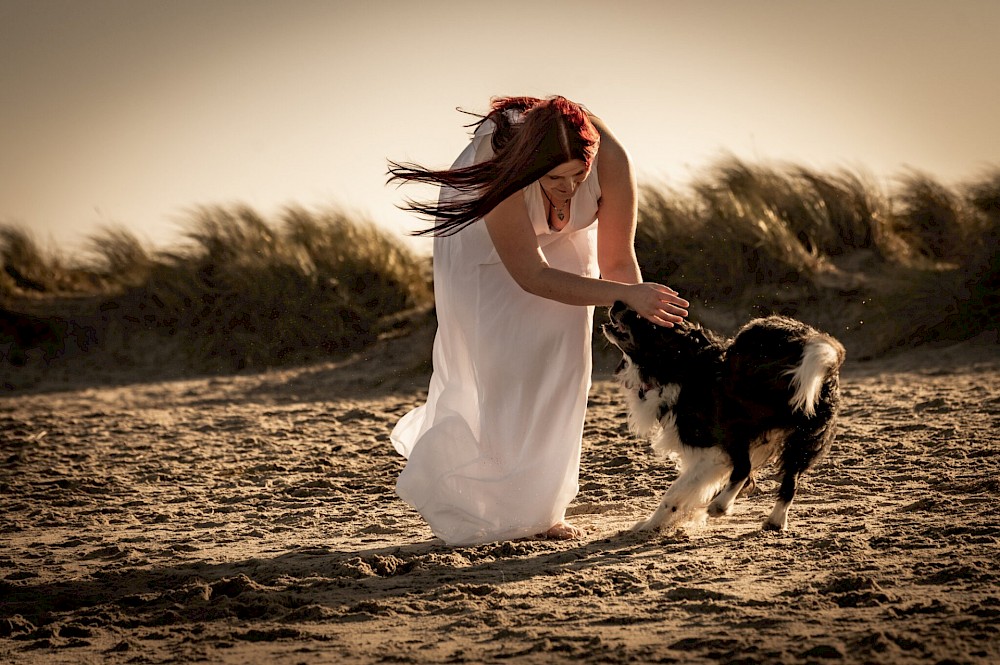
{"x": 722, "y": 408}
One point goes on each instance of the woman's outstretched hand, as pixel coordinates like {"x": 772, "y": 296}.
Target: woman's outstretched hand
{"x": 657, "y": 303}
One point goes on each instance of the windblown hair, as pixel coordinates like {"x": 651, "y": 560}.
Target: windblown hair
{"x": 549, "y": 132}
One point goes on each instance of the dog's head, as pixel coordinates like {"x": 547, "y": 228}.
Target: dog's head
{"x": 661, "y": 355}
{"x": 627, "y": 330}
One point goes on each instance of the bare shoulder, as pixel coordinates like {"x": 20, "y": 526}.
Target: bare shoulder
{"x": 614, "y": 166}
{"x": 613, "y": 156}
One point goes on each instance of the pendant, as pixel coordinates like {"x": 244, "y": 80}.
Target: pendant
{"x": 560, "y": 215}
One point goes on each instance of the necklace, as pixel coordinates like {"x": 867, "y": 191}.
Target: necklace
{"x": 561, "y": 210}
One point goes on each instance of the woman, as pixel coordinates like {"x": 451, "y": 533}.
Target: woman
{"x": 519, "y": 265}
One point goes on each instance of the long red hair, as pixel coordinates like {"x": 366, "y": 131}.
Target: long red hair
{"x": 549, "y": 132}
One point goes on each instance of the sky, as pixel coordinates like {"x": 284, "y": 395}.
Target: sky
{"x": 134, "y": 113}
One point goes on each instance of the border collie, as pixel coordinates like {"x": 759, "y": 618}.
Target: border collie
{"x": 722, "y": 408}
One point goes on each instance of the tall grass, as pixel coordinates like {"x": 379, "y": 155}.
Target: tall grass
{"x": 240, "y": 292}
{"x": 28, "y": 269}
{"x": 742, "y": 226}
{"x": 981, "y": 270}
{"x": 881, "y": 267}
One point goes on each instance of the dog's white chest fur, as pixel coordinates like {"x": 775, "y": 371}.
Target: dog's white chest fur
{"x": 646, "y": 403}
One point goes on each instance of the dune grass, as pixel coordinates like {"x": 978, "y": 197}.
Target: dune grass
{"x": 240, "y": 292}
{"x": 883, "y": 267}
{"x": 880, "y": 266}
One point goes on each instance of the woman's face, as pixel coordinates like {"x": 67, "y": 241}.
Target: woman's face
{"x": 561, "y": 182}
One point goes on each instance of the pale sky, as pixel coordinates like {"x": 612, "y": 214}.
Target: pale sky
{"x": 131, "y": 112}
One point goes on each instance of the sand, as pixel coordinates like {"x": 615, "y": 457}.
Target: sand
{"x": 252, "y": 519}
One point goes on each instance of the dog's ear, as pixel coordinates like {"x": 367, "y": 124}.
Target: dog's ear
{"x": 707, "y": 341}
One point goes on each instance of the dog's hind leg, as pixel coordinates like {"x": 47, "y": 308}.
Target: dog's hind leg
{"x": 802, "y": 449}
{"x": 723, "y": 503}
{"x": 778, "y": 519}
{"x": 795, "y": 459}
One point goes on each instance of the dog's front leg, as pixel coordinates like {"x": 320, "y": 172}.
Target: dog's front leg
{"x": 673, "y": 505}
{"x": 660, "y": 516}
{"x": 704, "y": 471}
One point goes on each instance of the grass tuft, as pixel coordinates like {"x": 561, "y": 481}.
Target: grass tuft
{"x": 240, "y": 292}
{"x": 880, "y": 269}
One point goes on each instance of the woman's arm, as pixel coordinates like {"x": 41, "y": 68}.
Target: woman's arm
{"x": 617, "y": 210}
{"x": 514, "y": 238}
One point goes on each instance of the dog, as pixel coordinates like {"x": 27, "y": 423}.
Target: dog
{"x": 722, "y": 408}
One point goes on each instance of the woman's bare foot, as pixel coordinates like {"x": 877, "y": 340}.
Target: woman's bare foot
{"x": 564, "y": 531}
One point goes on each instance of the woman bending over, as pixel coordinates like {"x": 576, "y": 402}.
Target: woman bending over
{"x": 534, "y": 226}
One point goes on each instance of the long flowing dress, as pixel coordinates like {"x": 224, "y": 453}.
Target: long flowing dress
{"x": 494, "y": 453}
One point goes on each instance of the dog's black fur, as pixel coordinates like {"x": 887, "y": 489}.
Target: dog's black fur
{"x": 721, "y": 407}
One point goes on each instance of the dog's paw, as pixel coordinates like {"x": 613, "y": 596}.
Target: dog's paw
{"x": 645, "y": 525}
{"x": 716, "y": 509}
{"x": 773, "y": 526}
{"x": 749, "y": 489}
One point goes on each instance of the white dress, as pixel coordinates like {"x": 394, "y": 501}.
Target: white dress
{"x": 494, "y": 453}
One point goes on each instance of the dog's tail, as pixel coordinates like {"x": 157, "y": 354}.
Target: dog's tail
{"x": 822, "y": 354}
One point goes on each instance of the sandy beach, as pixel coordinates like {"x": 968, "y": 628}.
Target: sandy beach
{"x": 252, "y": 519}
